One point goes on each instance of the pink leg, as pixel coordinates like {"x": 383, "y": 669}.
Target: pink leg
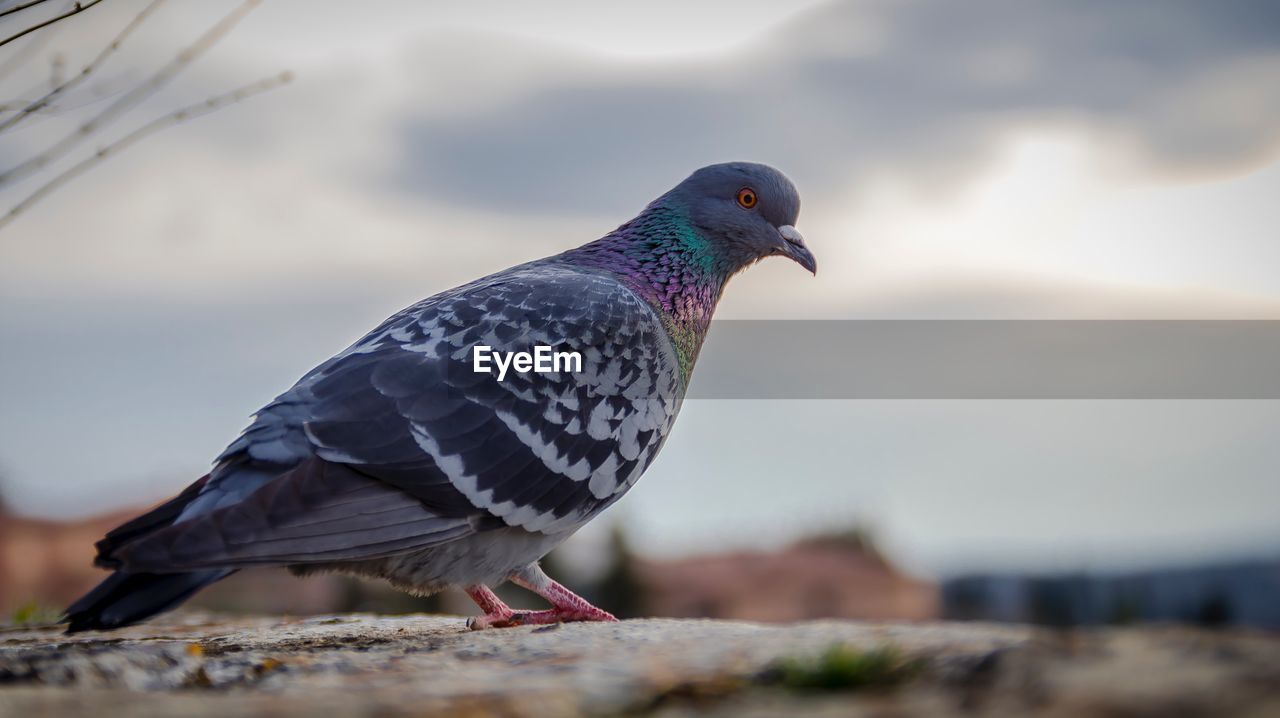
{"x": 568, "y": 606}
{"x": 495, "y": 611}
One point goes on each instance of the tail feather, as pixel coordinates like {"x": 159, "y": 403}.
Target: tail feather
{"x": 153, "y": 520}
{"x": 124, "y": 598}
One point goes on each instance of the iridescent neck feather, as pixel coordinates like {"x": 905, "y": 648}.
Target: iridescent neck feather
{"x": 671, "y": 264}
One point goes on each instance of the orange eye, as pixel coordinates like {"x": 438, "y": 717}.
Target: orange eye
{"x": 747, "y": 197}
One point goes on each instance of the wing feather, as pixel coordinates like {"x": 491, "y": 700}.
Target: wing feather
{"x": 317, "y": 511}
{"x": 538, "y": 450}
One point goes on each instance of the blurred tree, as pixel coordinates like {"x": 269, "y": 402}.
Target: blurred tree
{"x": 1057, "y": 601}
{"x": 1126, "y": 609}
{"x": 619, "y": 590}
{"x": 1215, "y": 611}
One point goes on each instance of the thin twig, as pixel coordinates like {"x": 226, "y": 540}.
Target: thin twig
{"x": 24, "y": 53}
{"x": 20, "y": 8}
{"x": 160, "y": 123}
{"x": 131, "y": 98}
{"x": 66, "y": 105}
{"x": 21, "y": 106}
{"x": 86, "y": 71}
{"x": 75, "y": 10}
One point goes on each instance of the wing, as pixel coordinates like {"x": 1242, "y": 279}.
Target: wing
{"x": 542, "y": 451}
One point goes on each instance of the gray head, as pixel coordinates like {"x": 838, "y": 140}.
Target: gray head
{"x": 749, "y": 210}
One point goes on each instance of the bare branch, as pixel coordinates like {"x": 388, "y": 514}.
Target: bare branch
{"x": 133, "y": 97}
{"x": 174, "y": 118}
{"x": 85, "y": 72}
{"x": 20, "y": 8}
{"x": 75, "y": 10}
{"x": 21, "y": 106}
{"x": 102, "y": 94}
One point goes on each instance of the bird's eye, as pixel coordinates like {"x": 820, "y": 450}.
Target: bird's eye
{"x": 747, "y": 197}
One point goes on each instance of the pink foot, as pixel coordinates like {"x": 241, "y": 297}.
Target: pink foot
{"x": 568, "y": 606}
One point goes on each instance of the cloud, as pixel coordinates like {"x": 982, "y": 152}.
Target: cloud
{"x": 915, "y": 88}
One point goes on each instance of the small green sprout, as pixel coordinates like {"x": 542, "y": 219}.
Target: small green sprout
{"x": 842, "y": 668}
{"x": 34, "y": 614}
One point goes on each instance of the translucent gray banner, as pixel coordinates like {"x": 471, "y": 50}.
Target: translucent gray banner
{"x": 989, "y": 360}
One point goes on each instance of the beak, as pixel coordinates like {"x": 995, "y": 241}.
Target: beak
{"x": 793, "y": 247}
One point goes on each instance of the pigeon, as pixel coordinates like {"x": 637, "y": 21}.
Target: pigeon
{"x": 405, "y": 458}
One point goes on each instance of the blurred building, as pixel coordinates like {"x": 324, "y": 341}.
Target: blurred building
{"x": 1234, "y": 594}
{"x": 830, "y": 577}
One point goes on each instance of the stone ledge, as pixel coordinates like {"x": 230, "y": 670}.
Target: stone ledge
{"x": 423, "y": 665}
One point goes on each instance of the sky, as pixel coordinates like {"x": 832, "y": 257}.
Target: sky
{"x": 987, "y": 159}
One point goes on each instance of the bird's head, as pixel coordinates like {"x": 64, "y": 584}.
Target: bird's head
{"x": 747, "y": 210}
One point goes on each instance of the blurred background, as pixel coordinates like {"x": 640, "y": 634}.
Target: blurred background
{"x": 165, "y": 271}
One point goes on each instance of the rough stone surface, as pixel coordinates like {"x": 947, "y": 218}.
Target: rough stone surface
{"x": 430, "y": 665}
